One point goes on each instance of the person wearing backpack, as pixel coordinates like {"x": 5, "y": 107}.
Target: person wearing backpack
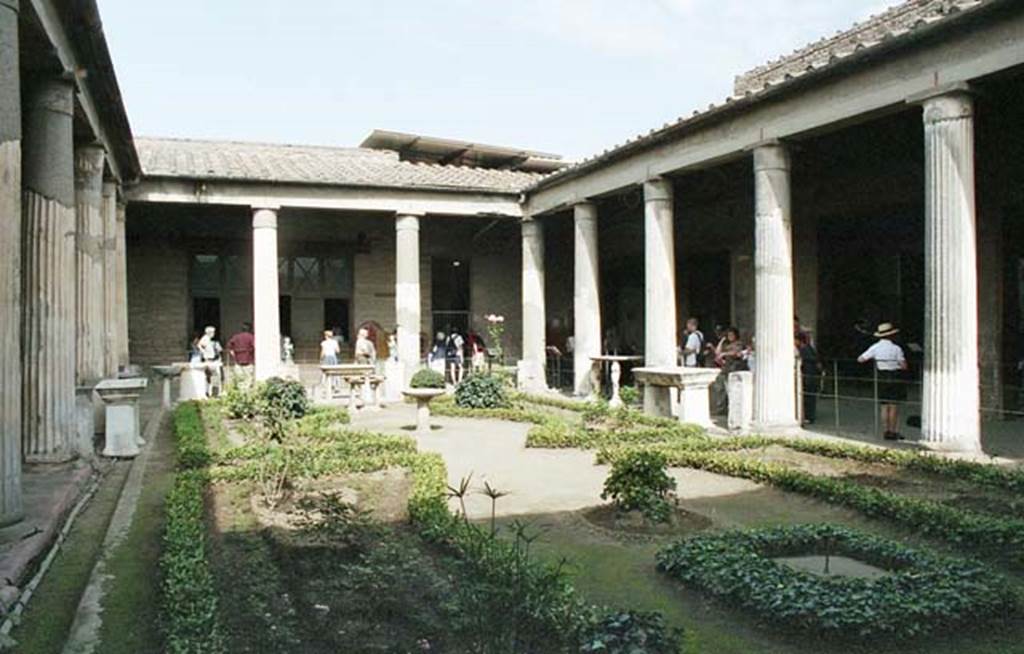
{"x": 692, "y": 351}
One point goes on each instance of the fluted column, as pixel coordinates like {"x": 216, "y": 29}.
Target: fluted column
{"x": 586, "y": 296}
{"x": 531, "y": 368}
{"x": 407, "y": 292}
{"x": 90, "y": 331}
{"x": 10, "y": 267}
{"x": 660, "y": 289}
{"x": 48, "y": 311}
{"x": 774, "y": 377}
{"x": 110, "y": 190}
{"x": 950, "y": 412}
{"x": 121, "y": 288}
{"x": 265, "y": 295}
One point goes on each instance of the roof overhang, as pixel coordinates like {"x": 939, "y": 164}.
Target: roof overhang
{"x": 416, "y": 147}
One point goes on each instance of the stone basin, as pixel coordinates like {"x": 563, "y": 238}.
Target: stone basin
{"x": 115, "y": 389}
{"x": 423, "y": 396}
{"x": 167, "y": 373}
{"x": 838, "y": 566}
{"x": 692, "y": 385}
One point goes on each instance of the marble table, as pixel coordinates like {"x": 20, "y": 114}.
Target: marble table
{"x": 354, "y": 375}
{"x": 167, "y": 373}
{"x": 121, "y": 397}
{"x": 692, "y": 384}
{"x": 423, "y": 396}
{"x": 616, "y": 361}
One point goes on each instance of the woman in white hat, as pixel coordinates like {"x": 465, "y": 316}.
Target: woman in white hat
{"x": 890, "y": 363}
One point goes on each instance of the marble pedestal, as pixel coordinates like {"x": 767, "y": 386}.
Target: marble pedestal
{"x": 692, "y": 385}
{"x": 614, "y": 374}
{"x": 121, "y": 397}
{"x": 741, "y": 401}
{"x": 392, "y": 380}
{"x": 193, "y": 383}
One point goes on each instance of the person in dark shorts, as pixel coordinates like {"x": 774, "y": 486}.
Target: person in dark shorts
{"x": 890, "y": 363}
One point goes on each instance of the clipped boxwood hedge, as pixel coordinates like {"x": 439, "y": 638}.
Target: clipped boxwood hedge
{"x": 923, "y": 593}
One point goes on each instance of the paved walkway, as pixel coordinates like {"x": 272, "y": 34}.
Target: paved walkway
{"x": 538, "y": 481}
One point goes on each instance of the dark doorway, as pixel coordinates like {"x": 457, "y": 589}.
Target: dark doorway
{"x": 284, "y": 314}
{"x": 336, "y": 317}
{"x": 205, "y": 313}
{"x": 707, "y": 290}
{"x": 450, "y": 294}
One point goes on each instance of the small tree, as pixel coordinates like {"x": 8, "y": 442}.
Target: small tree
{"x": 639, "y": 481}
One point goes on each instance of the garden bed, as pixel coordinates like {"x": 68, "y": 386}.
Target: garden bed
{"x": 921, "y": 594}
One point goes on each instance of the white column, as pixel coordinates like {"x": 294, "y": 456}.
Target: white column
{"x": 531, "y": 368}
{"x": 110, "y": 192}
{"x": 90, "y": 332}
{"x": 774, "y": 377}
{"x": 660, "y": 290}
{"x": 586, "y": 296}
{"x": 265, "y": 295}
{"x": 48, "y": 283}
{"x": 121, "y": 289}
{"x": 11, "y": 508}
{"x": 407, "y": 292}
{"x": 950, "y": 412}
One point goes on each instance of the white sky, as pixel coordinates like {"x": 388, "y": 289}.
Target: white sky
{"x": 567, "y": 76}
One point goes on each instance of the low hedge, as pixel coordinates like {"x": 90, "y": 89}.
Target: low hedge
{"x": 187, "y": 589}
{"x": 559, "y": 434}
{"x": 553, "y": 401}
{"x": 961, "y": 527}
{"x": 923, "y": 592}
{"x": 515, "y": 413}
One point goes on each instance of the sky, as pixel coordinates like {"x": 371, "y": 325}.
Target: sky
{"x": 572, "y": 77}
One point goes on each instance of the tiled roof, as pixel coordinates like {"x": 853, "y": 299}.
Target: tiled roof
{"x": 889, "y": 27}
{"x": 892, "y": 23}
{"x": 300, "y": 164}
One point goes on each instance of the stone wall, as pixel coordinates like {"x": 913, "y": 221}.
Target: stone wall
{"x": 158, "y": 302}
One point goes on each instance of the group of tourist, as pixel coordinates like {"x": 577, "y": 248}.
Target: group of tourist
{"x": 448, "y": 354}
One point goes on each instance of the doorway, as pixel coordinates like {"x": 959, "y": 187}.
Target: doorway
{"x": 336, "y": 317}
{"x": 205, "y": 313}
{"x": 449, "y": 294}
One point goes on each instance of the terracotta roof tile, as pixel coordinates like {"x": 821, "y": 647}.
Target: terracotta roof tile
{"x": 262, "y": 162}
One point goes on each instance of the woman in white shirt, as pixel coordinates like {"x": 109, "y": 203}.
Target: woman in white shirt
{"x": 329, "y": 350}
{"x": 890, "y": 363}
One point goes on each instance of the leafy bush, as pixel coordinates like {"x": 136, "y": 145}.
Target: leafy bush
{"x": 188, "y": 594}
{"x": 427, "y": 378}
{"x": 322, "y": 419}
{"x": 286, "y": 397}
{"x": 481, "y": 392}
{"x": 630, "y": 632}
{"x": 241, "y": 400}
{"x": 639, "y": 481}
{"x": 630, "y": 395}
{"x": 922, "y": 593}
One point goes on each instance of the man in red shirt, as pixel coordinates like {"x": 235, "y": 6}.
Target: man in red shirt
{"x": 242, "y": 348}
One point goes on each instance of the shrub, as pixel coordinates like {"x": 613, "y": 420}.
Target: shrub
{"x": 631, "y": 632}
{"x": 639, "y": 481}
{"x": 320, "y": 420}
{"x": 190, "y": 437}
{"x": 922, "y": 593}
{"x": 630, "y": 395}
{"x": 285, "y": 397}
{"x": 241, "y": 400}
{"x": 481, "y": 392}
{"x": 427, "y": 378}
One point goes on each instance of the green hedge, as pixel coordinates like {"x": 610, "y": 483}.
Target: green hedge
{"x": 1000, "y": 536}
{"x": 923, "y": 592}
{"x": 187, "y": 589}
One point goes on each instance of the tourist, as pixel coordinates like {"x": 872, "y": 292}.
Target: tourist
{"x": 193, "y": 349}
{"x": 366, "y": 351}
{"x": 242, "y": 352}
{"x": 889, "y": 364}
{"x": 329, "y": 349}
{"x": 477, "y": 352}
{"x": 729, "y": 356}
{"x": 455, "y": 356}
{"x": 810, "y": 376}
{"x": 692, "y": 351}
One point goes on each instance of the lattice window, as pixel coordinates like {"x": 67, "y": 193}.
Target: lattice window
{"x": 206, "y": 269}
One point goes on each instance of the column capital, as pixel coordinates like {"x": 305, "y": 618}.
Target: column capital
{"x": 264, "y": 218}
{"x": 658, "y": 189}
{"x": 956, "y": 105}
{"x": 10, "y": 4}
{"x": 584, "y": 210}
{"x": 771, "y": 155}
{"x": 405, "y": 221}
{"x": 52, "y": 93}
{"x": 89, "y": 167}
{"x": 531, "y": 227}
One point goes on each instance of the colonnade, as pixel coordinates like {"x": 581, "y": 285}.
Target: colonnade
{"x": 950, "y": 411}
{"x": 62, "y": 324}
